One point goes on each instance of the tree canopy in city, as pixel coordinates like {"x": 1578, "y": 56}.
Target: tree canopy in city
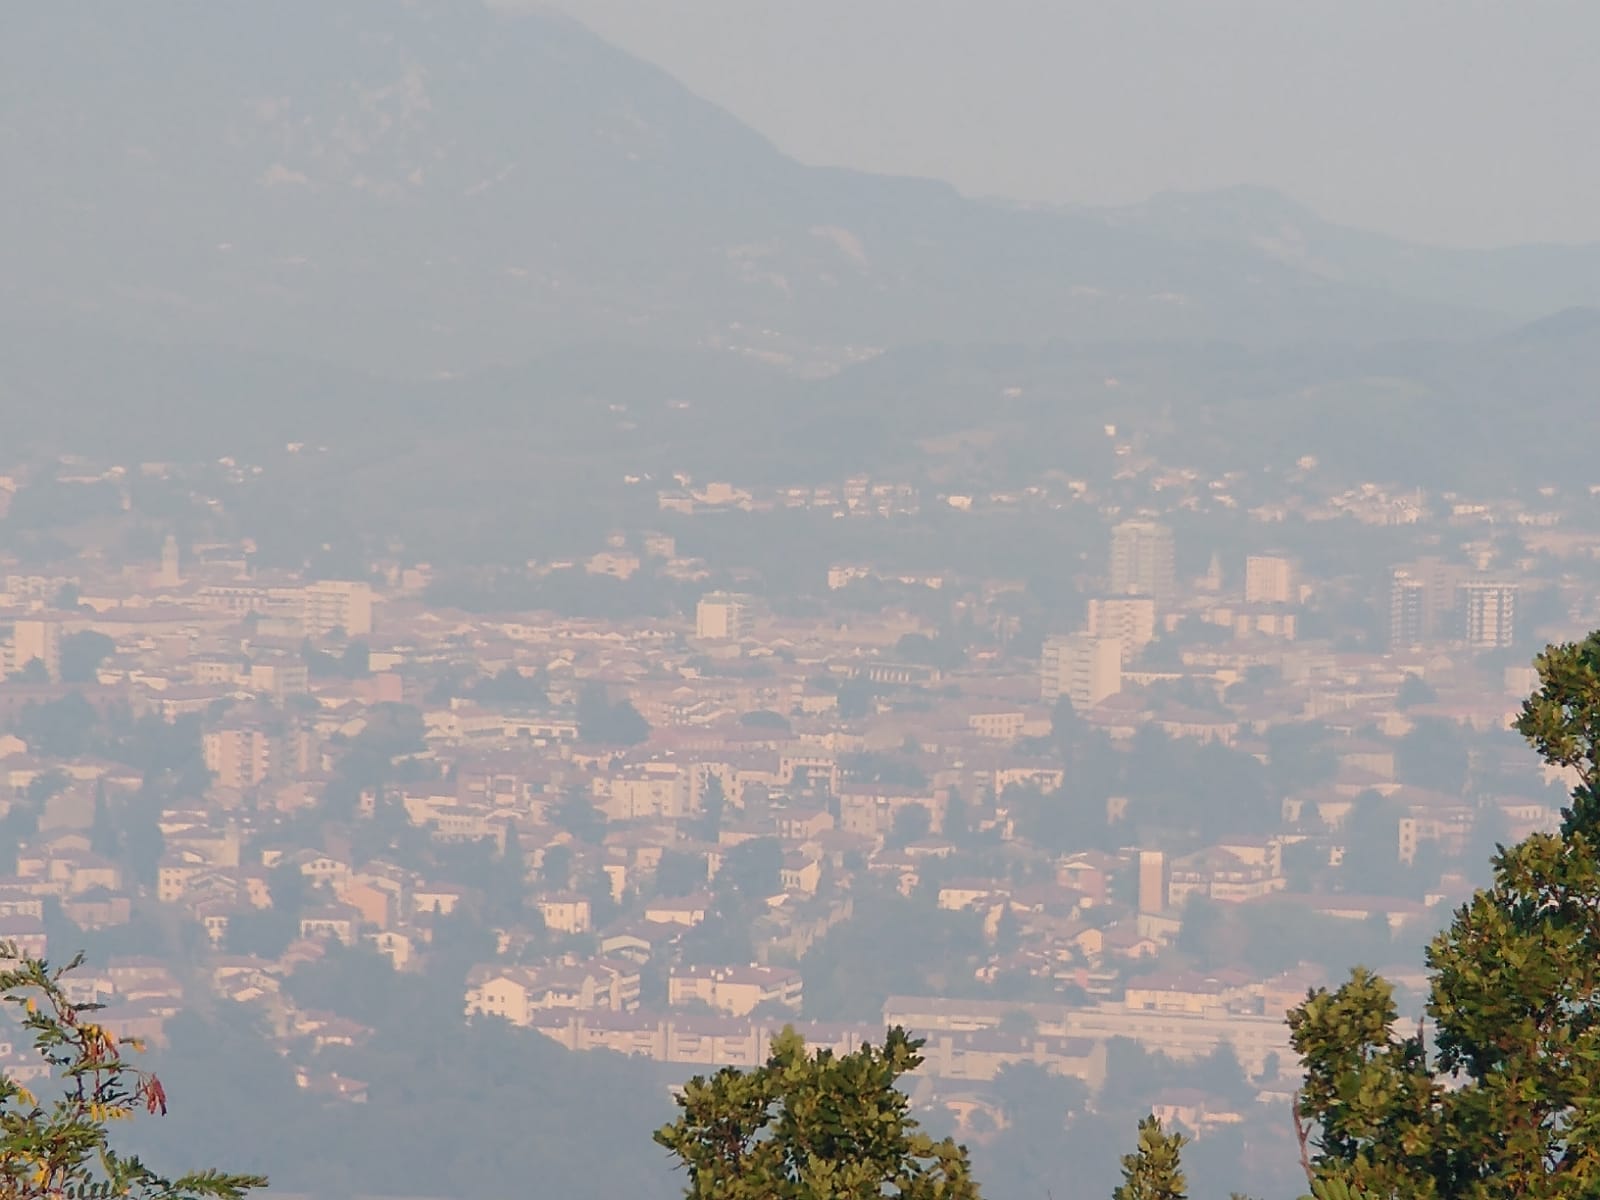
{"x": 814, "y": 1126}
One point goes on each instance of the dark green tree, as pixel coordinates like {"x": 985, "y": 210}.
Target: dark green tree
{"x": 82, "y": 653}
{"x": 1414, "y": 689}
{"x": 680, "y": 873}
{"x": 511, "y": 686}
{"x": 814, "y": 1127}
{"x": 576, "y": 814}
{"x": 1153, "y": 1171}
{"x": 1562, "y": 721}
{"x": 605, "y": 723}
{"x": 751, "y": 870}
{"x": 713, "y": 800}
{"x": 1501, "y": 1096}
{"x": 957, "y": 817}
{"x": 555, "y": 868}
{"x": 1037, "y": 1101}
{"x": 1433, "y": 755}
{"x": 764, "y": 718}
{"x": 33, "y": 671}
{"x": 911, "y": 823}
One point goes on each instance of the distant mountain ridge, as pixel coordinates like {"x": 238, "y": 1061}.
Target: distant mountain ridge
{"x": 1522, "y": 281}
{"x": 434, "y": 187}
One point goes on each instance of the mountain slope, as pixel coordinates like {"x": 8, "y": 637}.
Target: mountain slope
{"x": 1526, "y": 281}
{"x": 432, "y": 187}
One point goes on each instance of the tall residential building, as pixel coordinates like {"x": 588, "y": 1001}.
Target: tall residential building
{"x": 337, "y": 604}
{"x": 1425, "y": 593}
{"x": 722, "y": 616}
{"x": 1143, "y": 562}
{"x": 34, "y": 639}
{"x": 1408, "y": 605}
{"x": 1130, "y": 619}
{"x": 239, "y": 758}
{"x": 1489, "y": 612}
{"x": 1269, "y": 579}
{"x": 1084, "y": 668}
{"x": 1153, "y": 881}
{"x": 171, "y": 573}
{"x": 244, "y": 756}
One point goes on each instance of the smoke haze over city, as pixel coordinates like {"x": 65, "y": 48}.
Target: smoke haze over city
{"x": 541, "y": 544}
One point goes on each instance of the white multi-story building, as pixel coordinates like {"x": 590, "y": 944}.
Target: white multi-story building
{"x": 1269, "y": 579}
{"x": 1489, "y": 610}
{"x": 1143, "y": 562}
{"x": 337, "y": 604}
{"x": 722, "y": 616}
{"x": 1129, "y": 619}
{"x": 1084, "y": 668}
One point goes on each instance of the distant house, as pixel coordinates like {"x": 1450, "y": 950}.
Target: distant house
{"x": 736, "y": 991}
{"x": 683, "y": 910}
{"x": 440, "y": 898}
{"x": 340, "y": 922}
{"x": 516, "y": 994}
{"x": 565, "y": 912}
{"x": 1194, "y": 1111}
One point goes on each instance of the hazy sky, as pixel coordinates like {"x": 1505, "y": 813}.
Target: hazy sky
{"x": 1456, "y": 121}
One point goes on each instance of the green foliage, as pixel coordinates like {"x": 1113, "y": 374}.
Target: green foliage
{"x": 82, "y": 653}
{"x": 678, "y": 874}
{"x": 48, "y": 784}
{"x": 764, "y": 718}
{"x": 1503, "y": 1101}
{"x": 911, "y": 823}
{"x": 931, "y": 652}
{"x": 600, "y": 721}
{"x": 1414, "y": 689}
{"x": 1433, "y": 755}
{"x": 892, "y": 945}
{"x": 511, "y": 686}
{"x": 1299, "y": 757}
{"x": 814, "y": 1127}
{"x": 713, "y": 802}
{"x": 33, "y": 671}
{"x": 353, "y": 663}
{"x": 1133, "y": 1073}
{"x": 63, "y": 1147}
{"x": 576, "y": 814}
{"x": 1153, "y": 1171}
{"x": 1502, "y": 1096}
{"x": 1562, "y": 721}
{"x": 751, "y": 870}
{"x": 873, "y": 767}
{"x": 454, "y": 1109}
{"x": 1179, "y": 783}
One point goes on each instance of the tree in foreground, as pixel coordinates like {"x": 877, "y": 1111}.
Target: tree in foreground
{"x": 814, "y": 1127}
{"x": 59, "y": 1146}
{"x": 1501, "y": 1096}
{"x": 1153, "y": 1172}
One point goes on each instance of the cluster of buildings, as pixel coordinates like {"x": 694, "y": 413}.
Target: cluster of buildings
{"x": 350, "y": 738}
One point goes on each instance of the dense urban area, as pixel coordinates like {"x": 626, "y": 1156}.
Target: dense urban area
{"x": 520, "y": 591}
{"x": 1092, "y": 845}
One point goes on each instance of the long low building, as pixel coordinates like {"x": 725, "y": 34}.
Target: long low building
{"x": 1254, "y": 1038}
{"x": 730, "y": 1042}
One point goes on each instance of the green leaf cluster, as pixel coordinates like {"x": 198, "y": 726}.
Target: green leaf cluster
{"x": 1496, "y": 1092}
{"x": 1153, "y": 1172}
{"x": 63, "y": 1147}
{"x": 814, "y": 1126}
